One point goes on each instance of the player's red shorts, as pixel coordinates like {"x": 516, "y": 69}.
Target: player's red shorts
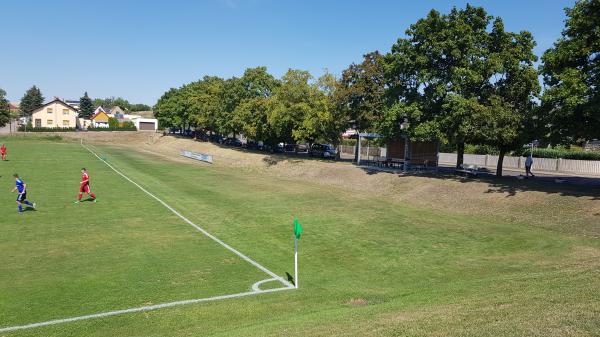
{"x": 84, "y": 188}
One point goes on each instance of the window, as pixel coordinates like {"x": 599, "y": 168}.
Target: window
{"x": 49, "y": 122}
{"x": 49, "y": 110}
{"x": 65, "y": 112}
{"x": 65, "y": 122}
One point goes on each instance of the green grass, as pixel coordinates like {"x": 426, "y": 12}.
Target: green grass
{"x": 368, "y": 266}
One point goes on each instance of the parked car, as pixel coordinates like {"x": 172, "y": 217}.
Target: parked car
{"x": 302, "y": 148}
{"x": 289, "y": 148}
{"x": 232, "y": 142}
{"x": 323, "y": 151}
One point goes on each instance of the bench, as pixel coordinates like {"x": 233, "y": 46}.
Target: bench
{"x": 467, "y": 170}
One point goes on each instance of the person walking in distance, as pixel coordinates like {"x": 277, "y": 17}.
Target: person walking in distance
{"x": 528, "y": 164}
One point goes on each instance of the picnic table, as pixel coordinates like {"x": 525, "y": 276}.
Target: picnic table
{"x": 388, "y": 162}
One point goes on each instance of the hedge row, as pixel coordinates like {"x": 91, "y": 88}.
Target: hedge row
{"x": 111, "y": 128}
{"x": 44, "y": 129}
{"x": 560, "y": 153}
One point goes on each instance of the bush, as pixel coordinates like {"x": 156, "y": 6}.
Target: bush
{"x": 559, "y": 153}
{"x": 113, "y": 128}
{"x": 481, "y": 149}
{"x": 43, "y": 129}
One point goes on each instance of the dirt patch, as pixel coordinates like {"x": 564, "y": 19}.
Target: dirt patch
{"x": 357, "y": 302}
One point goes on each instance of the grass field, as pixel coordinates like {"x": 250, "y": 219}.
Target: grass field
{"x": 369, "y": 265}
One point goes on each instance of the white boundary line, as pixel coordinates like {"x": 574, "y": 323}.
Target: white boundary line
{"x": 200, "y": 229}
{"x": 138, "y": 309}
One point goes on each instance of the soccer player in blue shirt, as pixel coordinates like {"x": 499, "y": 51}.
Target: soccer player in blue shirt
{"x": 21, "y": 187}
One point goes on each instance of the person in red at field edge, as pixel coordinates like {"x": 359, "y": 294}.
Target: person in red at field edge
{"x": 3, "y": 151}
{"x": 85, "y": 186}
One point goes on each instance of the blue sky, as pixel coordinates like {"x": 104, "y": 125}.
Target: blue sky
{"x": 139, "y": 49}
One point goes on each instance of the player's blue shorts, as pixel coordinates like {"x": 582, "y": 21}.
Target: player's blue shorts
{"x": 22, "y": 197}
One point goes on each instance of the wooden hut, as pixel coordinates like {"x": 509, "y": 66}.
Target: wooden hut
{"x": 413, "y": 153}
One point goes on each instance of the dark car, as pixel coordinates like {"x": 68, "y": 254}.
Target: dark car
{"x": 323, "y": 151}
{"x": 302, "y": 148}
{"x": 289, "y": 148}
{"x": 232, "y": 142}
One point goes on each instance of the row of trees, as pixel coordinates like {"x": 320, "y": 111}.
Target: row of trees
{"x": 460, "y": 78}
{"x": 295, "y": 107}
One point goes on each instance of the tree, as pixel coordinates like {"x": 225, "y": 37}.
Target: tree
{"x": 360, "y": 93}
{"x": 255, "y": 88}
{"x": 437, "y": 75}
{"x": 571, "y": 72}
{"x": 289, "y": 105}
{"x": 170, "y": 108}
{"x": 139, "y": 107}
{"x": 205, "y": 99}
{"x": 322, "y": 121}
{"x": 4, "y": 109}
{"x": 510, "y": 107}
{"x": 86, "y": 108}
{"x": 111, "y": 102}
{"x": 32, "y": 100}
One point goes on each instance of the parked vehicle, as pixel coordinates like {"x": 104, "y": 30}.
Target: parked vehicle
{"x": 323, "y": 151}
{"x": 232, "y": 142}
{"x": 302, "y": 148}
{"x": 289, "y": 148}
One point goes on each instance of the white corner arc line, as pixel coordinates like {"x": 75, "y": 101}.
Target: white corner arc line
{"x": 256, "y": 286}
{"x": 200, "y": 229}
{"x": 137, "y": 310}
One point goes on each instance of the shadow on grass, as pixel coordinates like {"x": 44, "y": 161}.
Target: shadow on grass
{"x": 290, "y": 278}
{"x": 580, "y": 187}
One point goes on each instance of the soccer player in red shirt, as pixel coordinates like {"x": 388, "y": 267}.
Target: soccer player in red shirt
{"x": 3, "y": 151}
{"x": 85, "y": 186}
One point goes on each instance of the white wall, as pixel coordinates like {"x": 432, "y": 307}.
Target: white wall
{"x": 591, "y": 167}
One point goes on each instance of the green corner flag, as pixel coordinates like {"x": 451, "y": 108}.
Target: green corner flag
{"x": 297, "y": 228}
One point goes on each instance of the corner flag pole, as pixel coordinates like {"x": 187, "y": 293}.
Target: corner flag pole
{"x": 297, "y": 233}
{"x": 296, "y": 261}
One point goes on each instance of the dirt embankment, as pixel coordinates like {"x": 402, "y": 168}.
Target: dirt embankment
{"x": 576, "y": 209}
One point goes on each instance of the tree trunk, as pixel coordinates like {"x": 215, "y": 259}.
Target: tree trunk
{"x": 356, "y": 147}
{"x": 500, "y": 162}
{"x": 460, "y": 154}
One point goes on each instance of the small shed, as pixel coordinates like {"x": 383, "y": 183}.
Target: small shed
{"x": 413, "y": 153}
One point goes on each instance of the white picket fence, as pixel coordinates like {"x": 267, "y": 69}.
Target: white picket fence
{"x": 589, "y": 167}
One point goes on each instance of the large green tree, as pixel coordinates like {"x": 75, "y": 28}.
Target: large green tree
{"x": 289, "y": 104}
{"x": 514, "y": 87}
{"x": 86, "y": 108}
{"x": 4, "y": 109}
{"x": 170, "y": 109}
{"x": 571, "y": 71}
{"x": 436, "y": 77}
{"x": 32, "y": 100}
{"x": 205, "y": 102}
{"x": 250, "y": 97}
{"x": 360, "y": 93}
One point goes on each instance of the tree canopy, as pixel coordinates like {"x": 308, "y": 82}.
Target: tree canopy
{"x": 4, "y": 109}
{"x": 571, "y": 73}
{"x": 86, "y": 108}
{"x": 295, "y": 108}
{"x": 32, "y": 100}
{"x": 461, "y": 78}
